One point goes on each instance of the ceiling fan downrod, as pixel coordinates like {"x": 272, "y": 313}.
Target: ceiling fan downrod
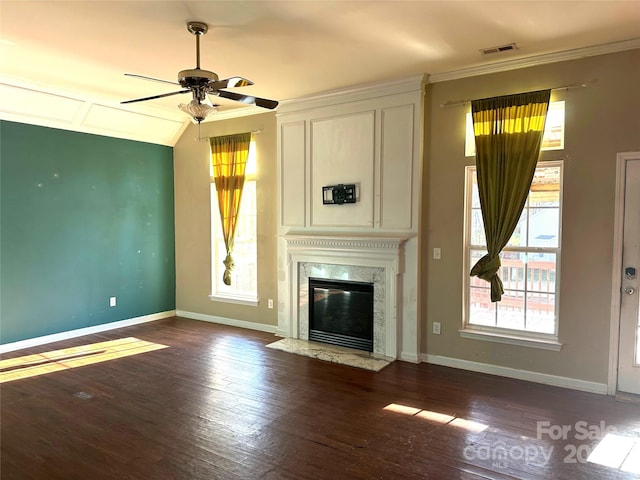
{"x": 197, "y": 78}
{"x": 198, "y": 29}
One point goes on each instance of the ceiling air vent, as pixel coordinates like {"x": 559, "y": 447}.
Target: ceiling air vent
{"x": 501, "y": 49}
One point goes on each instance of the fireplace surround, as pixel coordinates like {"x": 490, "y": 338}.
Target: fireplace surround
{"x": 372, "y": 259}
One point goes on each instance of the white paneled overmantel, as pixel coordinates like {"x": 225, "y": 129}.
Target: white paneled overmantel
{"x": 369, "y": 136}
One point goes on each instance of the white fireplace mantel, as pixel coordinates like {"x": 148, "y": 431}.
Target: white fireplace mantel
{"x": 373, "y": 139}
{"x": 357, "y": 256}
{"x": 369, "y": 249}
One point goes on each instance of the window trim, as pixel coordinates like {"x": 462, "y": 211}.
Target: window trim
{"x": 503, "y": 335}
{"x": 540, "y": 340}
{"x": 238, "y": 300}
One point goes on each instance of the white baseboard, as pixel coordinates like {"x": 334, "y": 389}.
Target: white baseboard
{"x": 56, "y": 337}
{"x": 409, "y": 357}
{"x": 281, "y": 333}
{"x": 227, "y": 321}
{"x": 537, "y": 377}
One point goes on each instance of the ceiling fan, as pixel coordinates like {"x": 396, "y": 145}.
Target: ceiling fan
{"x": 201, "y": 83}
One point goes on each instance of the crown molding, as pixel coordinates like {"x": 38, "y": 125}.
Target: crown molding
{"x": 411, "y": 84}
{"x": 533, "y": 61}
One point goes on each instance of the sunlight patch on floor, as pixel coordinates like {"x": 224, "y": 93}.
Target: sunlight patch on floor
{"x": 438, "y": 417}
{"x": 73, "y": 357}
{"x": 617, "y": 451}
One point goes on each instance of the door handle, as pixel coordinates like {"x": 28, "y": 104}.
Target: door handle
{"x": 629, "y": 290}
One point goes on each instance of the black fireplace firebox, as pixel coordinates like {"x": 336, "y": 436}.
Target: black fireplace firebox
{"x": 341, "y": 313}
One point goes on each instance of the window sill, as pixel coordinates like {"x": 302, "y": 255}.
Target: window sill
{"x": 248, "y": 301}
{"x": 511, "y": 339}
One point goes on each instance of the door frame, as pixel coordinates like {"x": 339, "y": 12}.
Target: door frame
{"x": 616, "y": 275}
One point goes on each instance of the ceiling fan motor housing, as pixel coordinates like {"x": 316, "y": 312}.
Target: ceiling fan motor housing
{"x": 196, "y": 77}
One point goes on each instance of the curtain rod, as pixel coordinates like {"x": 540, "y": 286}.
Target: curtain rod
{"x": 454, "y": 103}
{"x": 206, "y": 139}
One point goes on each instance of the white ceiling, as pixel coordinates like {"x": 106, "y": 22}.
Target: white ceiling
{"x": 293, "y": 49}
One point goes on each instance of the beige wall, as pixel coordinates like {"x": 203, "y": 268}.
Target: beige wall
{"x": 601, "y": 120}
{"x": 193, "y": 220}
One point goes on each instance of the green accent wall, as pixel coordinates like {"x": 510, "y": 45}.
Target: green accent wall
{"x": 83, "y": 218}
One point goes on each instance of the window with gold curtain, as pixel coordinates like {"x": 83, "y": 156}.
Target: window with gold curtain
{"x": 508, "y": 135}
{"x": 229, "y": 156}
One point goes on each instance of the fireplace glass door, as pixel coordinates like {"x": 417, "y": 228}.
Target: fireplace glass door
{"x": 341, "y": 313}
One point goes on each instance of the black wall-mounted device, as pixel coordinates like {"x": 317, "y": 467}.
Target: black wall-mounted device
{"x": 339, "y": 194}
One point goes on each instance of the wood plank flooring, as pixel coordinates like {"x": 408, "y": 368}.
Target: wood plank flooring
{"x": 217, "y": 404}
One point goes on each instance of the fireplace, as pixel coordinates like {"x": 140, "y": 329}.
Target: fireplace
{"x": 375, "y": 260}
{"x": 341, "y": 313}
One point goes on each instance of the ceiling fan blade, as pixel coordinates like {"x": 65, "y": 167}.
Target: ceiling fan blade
{"x": 156, "y": 96}
{"x": 229, "y": 83}
{"x": 260, "y": 102}
{"x": 150, "y": 78}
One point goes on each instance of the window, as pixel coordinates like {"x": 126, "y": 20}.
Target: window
{"x": 244, "y": 280}
{"x": 530, "y": 262}
{"x": 553, "y": 138}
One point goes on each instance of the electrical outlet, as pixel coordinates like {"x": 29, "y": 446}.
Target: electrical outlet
{"x": 436, "y": 328}
{"x": 112, "y": 301}
{"x": 437, "y": 253}
{"x": 270, "y": 303}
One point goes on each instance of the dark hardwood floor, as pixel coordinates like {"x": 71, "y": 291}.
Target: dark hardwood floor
{"x": 217, "y": 404}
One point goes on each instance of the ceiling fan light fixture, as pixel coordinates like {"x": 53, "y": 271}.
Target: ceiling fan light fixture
{"x": 198, "y": 111}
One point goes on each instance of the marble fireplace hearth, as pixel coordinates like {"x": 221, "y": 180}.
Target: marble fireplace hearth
{"x": 333, "y": 353}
